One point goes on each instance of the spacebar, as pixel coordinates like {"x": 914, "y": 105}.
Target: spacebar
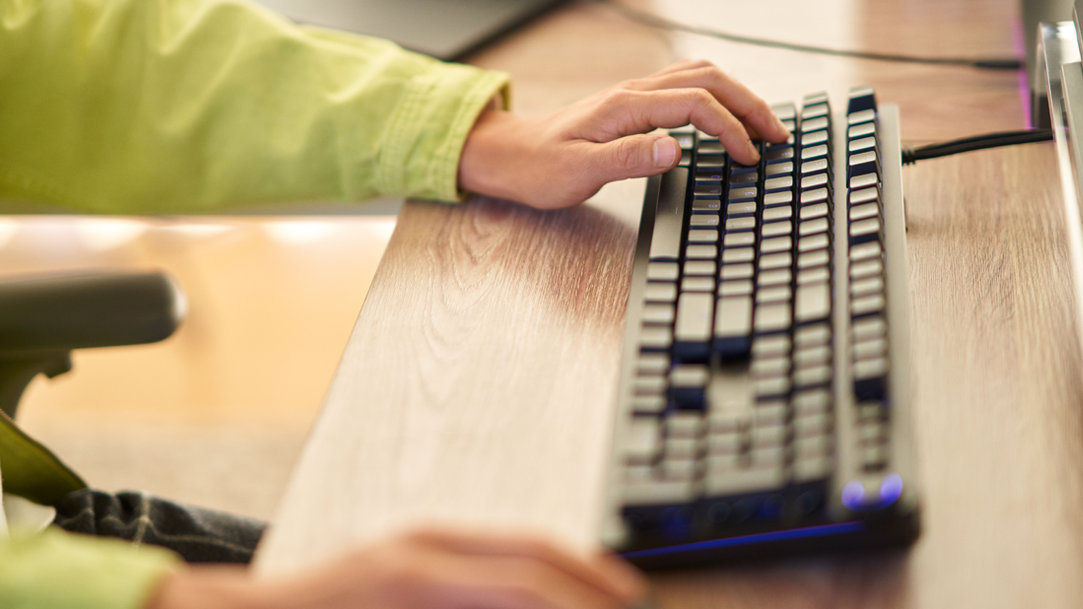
{"x": 669, "y": 216}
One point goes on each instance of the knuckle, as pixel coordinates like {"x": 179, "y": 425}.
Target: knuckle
{"x": 400, "y": 571}
{"x": 694, "y": 64}
{"x": 627, "y": 156}
{"x": 616, "y": 98}
{"x": 702, "y": 97}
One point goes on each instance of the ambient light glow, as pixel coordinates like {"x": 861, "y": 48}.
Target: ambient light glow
{"x": 856, "y": 497}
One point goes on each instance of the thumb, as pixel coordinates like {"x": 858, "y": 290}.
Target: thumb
{"x": 634, "y": 156}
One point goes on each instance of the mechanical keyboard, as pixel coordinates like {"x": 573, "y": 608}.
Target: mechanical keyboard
{"x": 763, "y": 406}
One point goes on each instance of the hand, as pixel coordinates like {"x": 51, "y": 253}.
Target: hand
{"x": 429, "y": 569}
{"x": 561, "y": 159}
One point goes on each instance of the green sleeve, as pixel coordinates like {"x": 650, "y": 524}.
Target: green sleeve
{"x": 58, "y": 570}
{"x": 144, "y": 106}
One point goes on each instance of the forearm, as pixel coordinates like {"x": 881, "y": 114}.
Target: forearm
{"x": 191, "y": 105}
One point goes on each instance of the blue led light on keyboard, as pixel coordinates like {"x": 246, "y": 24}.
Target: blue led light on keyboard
{"x": 840, "y": 528}
{"x": 856, "y": 497}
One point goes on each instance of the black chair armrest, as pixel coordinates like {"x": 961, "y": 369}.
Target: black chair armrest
{"x": 77, "y": 311}
{"x": 43, "y": 318}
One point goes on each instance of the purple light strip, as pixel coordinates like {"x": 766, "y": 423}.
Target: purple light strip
{"x": 804, "y": 532}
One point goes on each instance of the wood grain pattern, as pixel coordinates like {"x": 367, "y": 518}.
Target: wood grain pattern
{"x": 478, "y": 382}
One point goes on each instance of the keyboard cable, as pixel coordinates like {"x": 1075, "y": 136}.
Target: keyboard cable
{"x": 977, "y": 142}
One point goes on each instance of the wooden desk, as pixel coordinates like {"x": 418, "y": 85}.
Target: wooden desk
{"x": 478, "y": 384}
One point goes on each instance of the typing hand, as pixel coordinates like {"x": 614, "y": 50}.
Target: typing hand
{"x": 561, "y": 159}
{"x": 431, "y": 569}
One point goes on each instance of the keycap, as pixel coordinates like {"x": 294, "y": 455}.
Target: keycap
{"x": 687, "y": 383}
{"x": 669, "y": 217}
{"x": 740, "y": 482}
{"x": 658, "y": 313}
{"x": 861, "y": 98}
{"x": 863, "y": 162}
{"x": 813, "y": 303}
{"x": 692, "y": 330}
{"x": 642, "y": 439}
{"x": 870, "y": 382}
{"x": 662, "y": 271}
{"x": 703, "y": 220}
{"x": 659, "y": 492}
{"x": 660, "y": 292}
{"x": 733, "y": 326}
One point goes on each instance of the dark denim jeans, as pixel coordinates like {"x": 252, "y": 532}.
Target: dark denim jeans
{"x": 198, "y": 535}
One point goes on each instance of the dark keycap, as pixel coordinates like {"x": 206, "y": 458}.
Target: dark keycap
{"x": 861, "y": 98}
{"x": 870, "y": 379}
{"x": 687, "y": 385}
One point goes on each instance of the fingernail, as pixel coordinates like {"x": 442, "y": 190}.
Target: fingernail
{"x": 665, "y": 152}
{"x": 781, "y": 127}
{"x": 753, "y": 152}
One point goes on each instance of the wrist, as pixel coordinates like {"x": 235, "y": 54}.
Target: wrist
{"x": 208, "y": 588}
{"x": 489, "y": 154}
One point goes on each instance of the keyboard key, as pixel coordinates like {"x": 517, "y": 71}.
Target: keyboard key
{"x": 777, "y": 260}
{"x": 659, "y": 492}
{"x": 864, "y": 162}
{"x": 652, "y": 363}
{"x": 687, "y": 384}
{"x": 698, "y": 283}
{"x": 662, "y": 271}
{"x": 861, "y": 99}
{"x": 736, "y": 271}
{"x": 861, "y": 116}
{"x": 703, "y": 220}
{"x": 655, "y": 338}
{"x": 700, "y": 267}
{"x": 700, "y": 252}
{"x": 741, "y": 223}
{"x": 733, "y": 326}
{"x": 814, "y": 227}
{"x": 864, "y": 212}
{"x": 642, "y": 439}
{"x": 772, "y": 214}
{"x": 669, "y": 217}
{"x": 738, "y": 254}
{"x": 658, "y": 313}
{"x": 692, "y": 331}
{"x": 742, "y": 482}
{"x": 776, "y": 229}
{"x": 772, "y": 318}
{"x": 814, "y": 166}
{"x": 775, "y": 199}
{"x": 813, "y": 303}
{"x": 860, "y": 130}
{"x": 739, "y": 287}
{"x": 648, "y": 404}
{"x": 741, "y": 194}
{"x": 660, "y": 292}
{"x": 784, "y": 183}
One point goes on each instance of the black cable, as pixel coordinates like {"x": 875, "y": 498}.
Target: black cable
{"x": 977, "y": 142}
{"x": 656, "y": 21}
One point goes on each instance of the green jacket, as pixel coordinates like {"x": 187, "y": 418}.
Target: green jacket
{"x": 145, "y": 106}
